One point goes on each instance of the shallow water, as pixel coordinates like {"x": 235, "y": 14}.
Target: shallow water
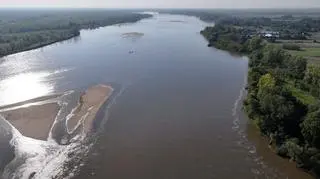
{"x": 177, "y": 113}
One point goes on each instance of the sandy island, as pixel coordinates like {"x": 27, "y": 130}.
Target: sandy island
{"x": 37, "y": 119}
{"x": 133, "y": 34}
{"x": 89, "y": 104}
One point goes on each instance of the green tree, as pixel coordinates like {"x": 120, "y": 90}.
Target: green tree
{"x": 266, "y": 85}
{"x": 312, "y": 79}
{"x": 254, "y": 44}
{"x": 296, "y": 66}
{"x": 311, "y": 128}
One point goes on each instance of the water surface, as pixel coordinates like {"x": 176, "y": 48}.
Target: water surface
{"x": 178, "y": 111}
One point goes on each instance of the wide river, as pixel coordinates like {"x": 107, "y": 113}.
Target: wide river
{"x": 177, "y": 114}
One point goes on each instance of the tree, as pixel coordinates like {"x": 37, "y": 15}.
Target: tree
{"x": 311, "y": 128}
{"x": 273, "y": 57}
{"x": 296, "y": 67}
{"x": 254, "y": 44}
{"x": 312, "y": 79}
{"x": 266, "y": 85}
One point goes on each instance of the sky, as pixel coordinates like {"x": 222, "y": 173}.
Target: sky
{"x": 163, "y": 3}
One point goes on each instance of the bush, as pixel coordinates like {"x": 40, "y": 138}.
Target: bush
{"x": 291, "y": 47}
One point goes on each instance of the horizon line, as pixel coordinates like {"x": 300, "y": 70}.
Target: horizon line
{"x": 178, "y": 8}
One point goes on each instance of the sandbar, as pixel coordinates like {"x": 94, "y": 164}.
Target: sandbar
{"x": 89, "y": 104}
{"x": 36, "y": 120}
{"x": 33, "y": 121}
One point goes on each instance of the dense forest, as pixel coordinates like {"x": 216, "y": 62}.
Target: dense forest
{"x": 283, "y": 94}
{"x": 31, "y": 28}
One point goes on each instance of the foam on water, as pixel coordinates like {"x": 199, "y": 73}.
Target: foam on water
{"x": 41, "y": 159}
{"x": 243, "y": 141}
{"x": 261, "y": 170}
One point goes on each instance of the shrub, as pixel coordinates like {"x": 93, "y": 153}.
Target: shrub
{"x": 291, "y": 47}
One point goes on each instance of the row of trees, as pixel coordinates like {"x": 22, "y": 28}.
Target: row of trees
{"x": 24, "y": 30}
{"x": 25, "y": 41}
{"x": 283, "y": 93}
{"x": 230, "y": 38}
{"x": 293, "y": 29}
{"x": 281, "y": 113}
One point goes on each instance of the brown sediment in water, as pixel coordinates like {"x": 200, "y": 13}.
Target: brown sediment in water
{"x": 36, "y": 120}
{"x": 89, "y": 104}
{"x": 286, "y": 167}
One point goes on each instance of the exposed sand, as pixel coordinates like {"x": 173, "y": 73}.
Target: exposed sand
{"x": 90, "y": 103}
{"x": 133, "y": 34}
{"x": 34, "y": 121}
{"x": 37, "y": 119}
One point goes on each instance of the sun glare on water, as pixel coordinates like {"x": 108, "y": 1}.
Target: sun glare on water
{"x": 24, "y": 86}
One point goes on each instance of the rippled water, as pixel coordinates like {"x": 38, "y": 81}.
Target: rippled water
{"x": 177, "y": 113}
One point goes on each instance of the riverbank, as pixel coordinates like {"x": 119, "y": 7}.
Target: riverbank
{"x": 35, "y": 118}
{"x": 41, "y": 28}
{"x": 281, "y": 100}
{"x": 41, "y": 44}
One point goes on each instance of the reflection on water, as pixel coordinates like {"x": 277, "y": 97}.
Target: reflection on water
{"x": 177, "y": 109}
{"x": 24, "y": 86}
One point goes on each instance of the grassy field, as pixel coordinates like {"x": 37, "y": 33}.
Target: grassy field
{"x": 309, "y": 49}
{"x": 307, "y": 52}
{"x": 302, "y": 96}
{"x": 312, "y": 54}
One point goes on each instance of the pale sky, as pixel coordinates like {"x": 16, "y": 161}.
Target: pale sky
{"x": 164, "y": 3}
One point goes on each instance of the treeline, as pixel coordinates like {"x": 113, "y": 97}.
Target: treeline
{"x": 27, "y": 29}
{"x": 230, "y": 38}
{"x": 210, "y": 15}
{"x": 295, "y": 28}
{"x": 299, "y": 24}
{"x": 290, "y": 24}
{"x": 283, "y": 95}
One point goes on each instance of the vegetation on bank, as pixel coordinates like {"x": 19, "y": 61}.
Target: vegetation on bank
{"x": 22, "y": 30}
{"x": 283, "y": 94}
{"x": 292, "y": 29}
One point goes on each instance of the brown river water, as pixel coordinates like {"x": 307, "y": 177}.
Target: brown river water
{"x": 177, "y": 112}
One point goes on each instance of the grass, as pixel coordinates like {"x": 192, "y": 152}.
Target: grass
{"x": 307, "y": 52}
{"x": 301, "y": 95}
{"x": 312, "y": 54}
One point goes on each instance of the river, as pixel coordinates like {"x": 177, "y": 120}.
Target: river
{"x": 177, "y": 113}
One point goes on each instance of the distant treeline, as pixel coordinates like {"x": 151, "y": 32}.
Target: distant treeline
{"x": 290, "y": 24}
{"x": 283, "y": 95}
{"x": 289, "y": 27}
{"x": 215, "y": 14}
{"x": 27, "y": 29}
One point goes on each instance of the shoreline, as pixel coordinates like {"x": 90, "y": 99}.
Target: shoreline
{"x": 68, "y": 38}
{"x": 288, "y": 146}
{"x": 39, "y": 46}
